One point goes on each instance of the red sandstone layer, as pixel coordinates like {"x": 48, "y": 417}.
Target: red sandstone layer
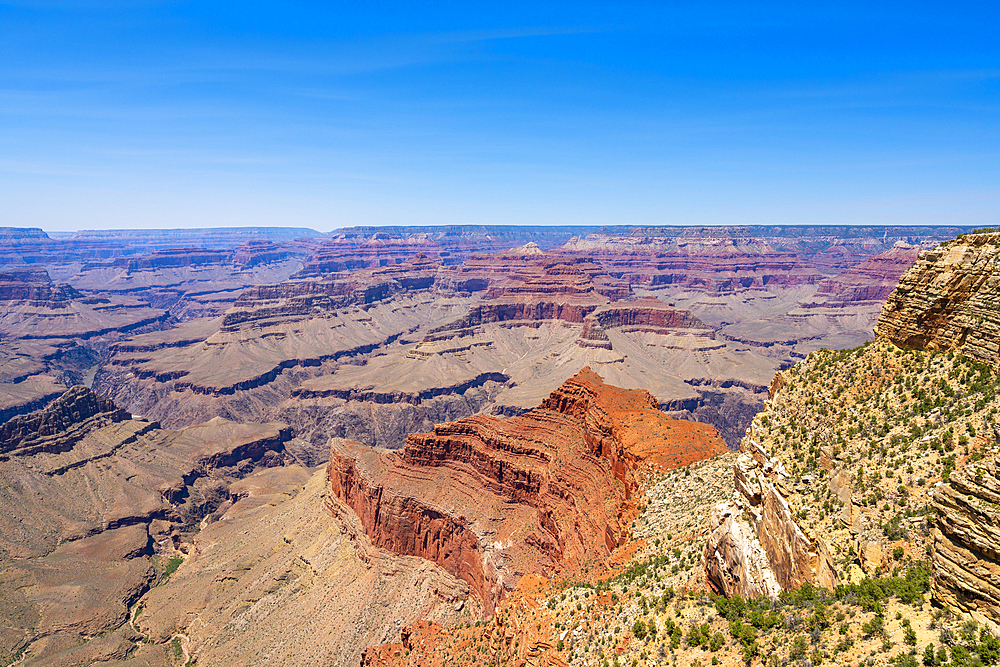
{"x": 493, "y": 499}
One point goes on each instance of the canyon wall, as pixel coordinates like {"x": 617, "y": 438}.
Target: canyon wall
{"x": 967, "y": 542}
{"x": 949, "y": 300}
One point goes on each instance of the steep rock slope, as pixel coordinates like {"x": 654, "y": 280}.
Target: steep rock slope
{"x": 967, "y": 542}
{"x": 491, "y": 500}
{"x": 286, "y": 577}
{"x": 922, "y": 420}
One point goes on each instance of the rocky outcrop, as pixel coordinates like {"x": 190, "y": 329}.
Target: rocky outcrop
{"x": 949, "y": 300}
{"x": 36, "y": 289}
{"x": 78, "y": 406}
{"x": 764, "y": 523}
{"x": 871, "y": 281}
{"x": 642, "y": 315}
{"x": 529, "y": 287}
{"x": 735, "y": 561}
{"x": 493, "y": 499}
{"x": 966, "y": 556}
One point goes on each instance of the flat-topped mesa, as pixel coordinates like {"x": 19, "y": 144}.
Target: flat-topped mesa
{"x": 493, "y": 499}
{"x": 34, "y": 287}
{"x": 949, "y": 300}
{"x": 870, "y": 282}
{"x": 343, "y": 253}
{"x": 77, "y": 406}
{"x": 311, "y": 298}
{"x": 647, "y": 314}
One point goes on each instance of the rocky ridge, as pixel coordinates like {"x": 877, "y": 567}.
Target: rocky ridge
{"x": 557, "y": 481}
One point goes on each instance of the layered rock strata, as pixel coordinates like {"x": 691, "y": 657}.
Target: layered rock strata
{"x": 648, "y": 315}
{"x": 493, "y": 499}
{"x": 966, "y": 554}
{"x": 950, "y": 300}
{"x": 870, "y": 282}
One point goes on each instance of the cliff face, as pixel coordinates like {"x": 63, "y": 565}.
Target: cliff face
{"x": 757, "y": 547}
{"x": 77, "y": 406}
{"x": 949, "y": 300}
{"x": 36, "y": 289}
{"x": 642, "y": 315}
{"x": 967, "y": 542}
{"x": 710, "y": 264}
{"x": 493, "y": 499}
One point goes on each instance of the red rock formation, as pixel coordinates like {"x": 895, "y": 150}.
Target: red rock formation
{"x": 491, "y": 499}
{"x": 869, "y": 282}
{"x": 646, "y": 314}
{"x": 308, "y": 298}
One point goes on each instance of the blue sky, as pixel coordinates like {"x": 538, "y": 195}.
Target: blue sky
{"x": 149, "y": 114}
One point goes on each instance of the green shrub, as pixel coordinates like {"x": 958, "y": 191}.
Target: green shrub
{"x": 172, "y": 565}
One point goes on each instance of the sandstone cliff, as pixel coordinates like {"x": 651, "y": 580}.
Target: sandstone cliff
{"x": 493, "y": 499}
{"x": 967, "y": 542}
{"x": 950, "y": 300}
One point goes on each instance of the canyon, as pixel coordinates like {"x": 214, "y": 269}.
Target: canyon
{"x": 391, "y": 446}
